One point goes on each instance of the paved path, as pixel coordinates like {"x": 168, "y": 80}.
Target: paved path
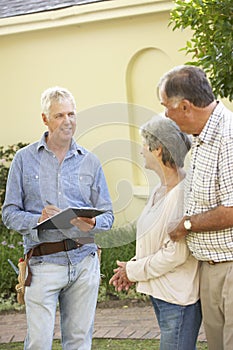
{"x": 135, "y": 322}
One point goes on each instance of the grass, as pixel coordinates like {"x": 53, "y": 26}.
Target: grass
{"x": 103, "y": 344}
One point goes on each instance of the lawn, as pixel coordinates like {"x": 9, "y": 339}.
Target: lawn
{"x": 103, "y": 344}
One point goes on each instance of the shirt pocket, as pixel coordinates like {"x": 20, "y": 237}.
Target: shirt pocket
{"x": 204, "y": 189}
{"x": 85, "y": 187}
{"x": 31, "y": 186}
{"x": 81, "y": 187}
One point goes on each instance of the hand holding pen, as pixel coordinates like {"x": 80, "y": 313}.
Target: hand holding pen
{"x": 49, "y": 211}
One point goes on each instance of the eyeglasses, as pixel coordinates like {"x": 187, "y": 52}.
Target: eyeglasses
{"x": 172, "y": 103}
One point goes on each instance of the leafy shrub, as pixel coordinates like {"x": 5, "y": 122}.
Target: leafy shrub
{"x": 11, "y": 247}
{"x": 6, "y": 156}
{"x": 211, "y": 44}
{"x": 116, "y": 244}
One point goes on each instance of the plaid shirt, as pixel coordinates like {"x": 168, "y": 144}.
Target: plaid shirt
{"x": 209, "y": 183}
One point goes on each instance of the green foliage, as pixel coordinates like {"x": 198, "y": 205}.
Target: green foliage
{"x": 116, "y": 244}
{"x": 11, "y": 247}
{"x": 9, "y": 303}
{"x": 6, "y": 156}
{"x": 211, "y": 44}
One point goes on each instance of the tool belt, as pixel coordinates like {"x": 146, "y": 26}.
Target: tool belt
{"x": 62, "y": 246}
{"x": 25, "y": 274}
{"x": 52, "y": 248}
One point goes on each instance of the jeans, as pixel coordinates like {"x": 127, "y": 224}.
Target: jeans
{"x": 76, "y": 289}
{"x": 179, "y": 325}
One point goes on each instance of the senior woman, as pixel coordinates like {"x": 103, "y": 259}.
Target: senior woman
{"x": 163, "y": 269}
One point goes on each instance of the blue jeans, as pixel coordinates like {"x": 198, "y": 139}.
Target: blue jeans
{"x": 179, "y": 325}
{"x": 76, "y": 289}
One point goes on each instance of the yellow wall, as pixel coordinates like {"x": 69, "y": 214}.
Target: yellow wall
{"x": 110, "y": 55}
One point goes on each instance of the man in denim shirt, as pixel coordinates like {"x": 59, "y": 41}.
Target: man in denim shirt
{"x": 63, "y": 262}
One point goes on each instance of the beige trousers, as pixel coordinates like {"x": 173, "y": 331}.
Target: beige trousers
{"x": 216, "y": 292}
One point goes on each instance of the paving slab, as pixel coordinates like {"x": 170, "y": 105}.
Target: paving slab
{"x": 137, "y": 322}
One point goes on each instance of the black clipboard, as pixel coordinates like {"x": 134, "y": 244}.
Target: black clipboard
{"x": 62, "y": 219}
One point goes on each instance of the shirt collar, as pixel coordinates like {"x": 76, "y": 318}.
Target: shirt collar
{"x": 208, "y": 132}
{"x": 74, "y": 147}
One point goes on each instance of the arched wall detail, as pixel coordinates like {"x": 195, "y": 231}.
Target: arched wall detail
{"x": 142, "y": 76}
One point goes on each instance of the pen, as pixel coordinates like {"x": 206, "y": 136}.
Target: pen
{"x": 49, "y": 203}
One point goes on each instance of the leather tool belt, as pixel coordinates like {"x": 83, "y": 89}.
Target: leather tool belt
{"x": 62, "y": 246}
{"x": 52, "y": 248}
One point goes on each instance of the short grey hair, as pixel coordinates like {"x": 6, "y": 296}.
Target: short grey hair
{"x": 187, "y": 82}
{"x": 55, "y": 94}
{"x": 163, "y": 132}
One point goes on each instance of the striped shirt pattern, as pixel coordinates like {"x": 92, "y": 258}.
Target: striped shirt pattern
{"x": 209, "y": 183}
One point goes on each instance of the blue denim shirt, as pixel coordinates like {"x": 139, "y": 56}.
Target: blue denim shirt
{"x": 36, "y": 176}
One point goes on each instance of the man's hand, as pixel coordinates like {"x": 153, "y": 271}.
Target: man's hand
{"x": 179, "y": 232}
{"x": 120, "y": 280}
{"x": 48, "y": 212}
{"x": 83, "y": 224}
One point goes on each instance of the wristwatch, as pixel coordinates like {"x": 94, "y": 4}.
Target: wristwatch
{"x": 188, "y": 224}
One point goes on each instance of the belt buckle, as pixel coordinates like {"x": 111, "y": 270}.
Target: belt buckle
{"x": 78, "y": 245}
{"x": 211, "y": 262}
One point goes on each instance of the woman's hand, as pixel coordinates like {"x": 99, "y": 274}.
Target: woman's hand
{"x": 120, "y": 280}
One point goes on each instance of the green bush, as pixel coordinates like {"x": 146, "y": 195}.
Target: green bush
{"x": 211, "y": 22}
{"x": 6, "y": 156}
{"x": 11, "y": 247}
{"x": 116, "y": 244}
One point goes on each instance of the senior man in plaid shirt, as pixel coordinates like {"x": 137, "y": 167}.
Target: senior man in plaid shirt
{"x": 208, "y": 222}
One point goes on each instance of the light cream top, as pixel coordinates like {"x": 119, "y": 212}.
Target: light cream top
{"x": 164, "y": 269}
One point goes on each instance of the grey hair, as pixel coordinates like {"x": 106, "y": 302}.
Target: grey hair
{"x": 163, "y": 132}
{"x": 187, "y": 82}
{"x": 55, "y": 94}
